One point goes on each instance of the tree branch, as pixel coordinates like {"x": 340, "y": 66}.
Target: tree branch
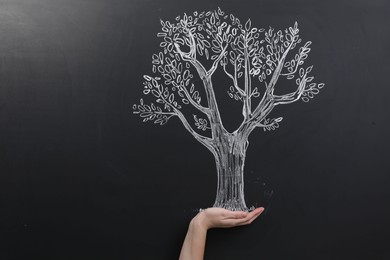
{"x": 216, "y": 61}
{"x": 270, "y": 124}
{"x": 268, "y": 96}
{"x": 247, "y": 99}
{"x": 202, "y": 139}
{"x": 187, "y": 57}
{"x": 188, "y": 96}
{"x": 262, "y": 110}
{"x": 293, "y": 96}
{"x": 201, "y": 108}
{"x": 278, "y": 70}
{"x": 164, "y": 113}
{"x": 234, "y": 78}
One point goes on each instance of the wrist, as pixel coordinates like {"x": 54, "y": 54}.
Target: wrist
{"x": 199, "y": 222}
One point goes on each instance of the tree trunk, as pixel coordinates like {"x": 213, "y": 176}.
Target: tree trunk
{"x": 230, "y": 159}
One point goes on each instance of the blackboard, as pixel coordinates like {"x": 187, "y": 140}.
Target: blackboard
{"x": 81, "y": 177}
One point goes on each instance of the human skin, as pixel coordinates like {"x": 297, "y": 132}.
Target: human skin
{"x": 195, "y": 240}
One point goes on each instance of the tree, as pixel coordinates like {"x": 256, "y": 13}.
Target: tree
{"x": 253, "y": 59}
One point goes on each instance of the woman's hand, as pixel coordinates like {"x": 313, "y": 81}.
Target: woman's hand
{"x": 223, "y": 218}
{"x": 194, "y": 243}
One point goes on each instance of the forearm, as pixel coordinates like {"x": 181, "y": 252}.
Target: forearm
{"x": 195, "y": 241}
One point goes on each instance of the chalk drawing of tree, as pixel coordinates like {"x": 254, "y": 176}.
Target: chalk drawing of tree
{"x": 193, "y": 48}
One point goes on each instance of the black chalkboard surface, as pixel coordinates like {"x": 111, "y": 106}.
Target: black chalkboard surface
{"x": 82, "y": 177}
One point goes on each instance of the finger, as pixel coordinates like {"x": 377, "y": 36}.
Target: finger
{"x": 252, "y": 219}
{"x": 258, "y": 210}
{"x": 252, "y": 216}
{"x": 236, "y": 215}
{"x": 253, "y": 213}
{"x": 233, "y": 222}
